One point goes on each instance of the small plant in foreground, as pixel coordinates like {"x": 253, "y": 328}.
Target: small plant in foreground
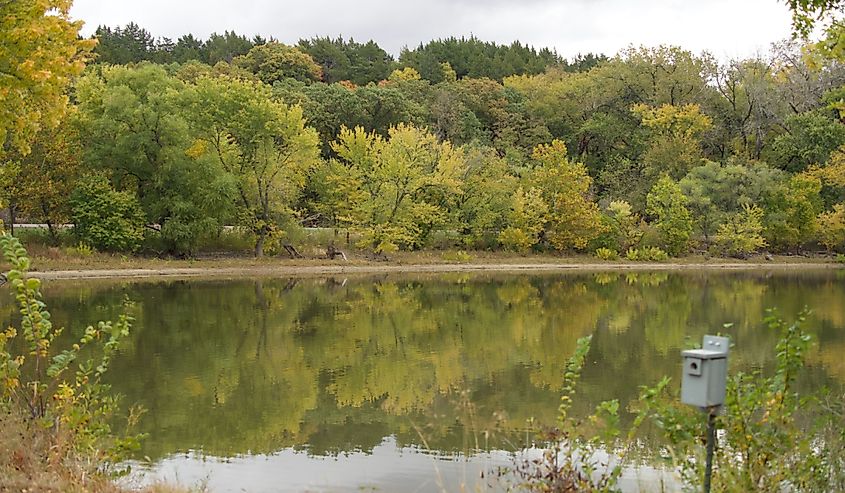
{"x": 583, "y": 455}
{"x": 43, "y": 382}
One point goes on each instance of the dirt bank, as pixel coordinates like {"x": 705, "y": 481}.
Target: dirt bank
{"x": 332, "y": 269}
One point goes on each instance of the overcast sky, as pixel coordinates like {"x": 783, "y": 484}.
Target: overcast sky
{"x": 726, "y": 28}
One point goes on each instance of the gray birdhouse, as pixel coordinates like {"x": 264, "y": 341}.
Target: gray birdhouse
{"x": 705, "y": 373}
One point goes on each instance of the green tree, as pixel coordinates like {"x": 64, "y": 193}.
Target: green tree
{"x": 623, "y": 227}
{"x": 120, "y": 46}
{"x": 810, "y": 138}
{"x": 40, "y": 53}
{"x": 225, "y": 47}
{"x": 349, "y": 60}
{"x": 674, "y": 138}
{"x": 47, "y": 176}
{"x": 105, "y": 218}
{"x": 133, "y": 124}
{"x": 668, "y": 205}
{"x": 791, "y": 212}
{"x": 188, "y": 48}
{"x": 716, "y": 190}
{"x": 274, "y": 61}
{"x": 526, "y": 219}
{"x": 263, "y": 144}
{"x": 488, "y": 195}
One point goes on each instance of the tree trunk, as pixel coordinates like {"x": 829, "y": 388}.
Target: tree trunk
{"x": 12, "y": 218}
{"x": 259, "y": 244}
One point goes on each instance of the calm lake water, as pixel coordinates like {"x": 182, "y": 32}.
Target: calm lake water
{"x": 412, "y": 383}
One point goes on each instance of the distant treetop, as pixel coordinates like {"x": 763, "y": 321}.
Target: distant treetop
{"x": 344, "y": 59}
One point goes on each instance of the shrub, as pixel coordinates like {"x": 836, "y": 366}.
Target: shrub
{"x": 607, "y": 254}
{"x": 831, "y": 231}
{"x": 105, "y": 218}
{"x": 646, "y": 254}
{"x": 668, "y": 205}
{"x": 457, "y": 256}
{"x": 82, "y": 250}
{"x": 516, "y": 240}
{"x": 742, "y": 233}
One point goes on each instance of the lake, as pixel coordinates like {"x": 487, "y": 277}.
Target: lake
{"x": 413, "y": 382}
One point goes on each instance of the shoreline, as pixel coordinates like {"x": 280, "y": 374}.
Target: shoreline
{"x": 268, "y": 270}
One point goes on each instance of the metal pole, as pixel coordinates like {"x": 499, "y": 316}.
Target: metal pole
{"x": 711, "y": 443}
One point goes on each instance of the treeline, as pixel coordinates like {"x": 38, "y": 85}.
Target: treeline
{"x": 340, "y": 59}
{"x": 653, "y": 152}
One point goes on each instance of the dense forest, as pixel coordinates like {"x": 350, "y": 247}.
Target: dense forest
{"x": 655, "y": 151}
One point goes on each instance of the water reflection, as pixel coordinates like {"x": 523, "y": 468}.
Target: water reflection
{"x": 449, "y": 363}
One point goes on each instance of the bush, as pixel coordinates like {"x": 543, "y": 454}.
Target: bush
{"x": 516, "y": 240}
{"x": 105, "y": 218}
{"x": 646, "y": 254}
{"x": 607, "y": 254}
{"x": 459, "y": 256}
{"x": 742, "y": 233}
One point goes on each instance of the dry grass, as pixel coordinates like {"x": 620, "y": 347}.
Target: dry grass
{"x": 33, "y": 460}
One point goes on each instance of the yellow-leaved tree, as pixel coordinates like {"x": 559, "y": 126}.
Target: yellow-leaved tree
{"x": 573, "y": 217}
{"x": 406, "y": 183}
{"x": 40, "y": 52}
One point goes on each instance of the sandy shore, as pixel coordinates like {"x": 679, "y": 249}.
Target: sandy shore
{"x": 333, "y": 269}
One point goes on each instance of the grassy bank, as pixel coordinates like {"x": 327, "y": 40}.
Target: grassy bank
{"x": 232, "y": 250}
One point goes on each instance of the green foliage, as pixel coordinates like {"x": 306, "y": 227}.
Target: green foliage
{"x": 741, "y": 233}
{"x": 122, "y": 45}
{"x": 809, "y": 139}
{"x": 646, "y": 254}
{"x": 262, "y": 144}
{"x": 526, "y": 220}
{"x": 105, "y": 218}
{"x": 674, "y": 138}
{"x": 343, "y": 60}
{"x": 716, "y": 191}
{"x": 471, "y": 57}
{"x": 766, "y": 445}
{"x": 573, "y": 218}
{"x": 791, "y": 212}
{"x": 48, "y": 383}
{"x": 607, "y": 254}
{"x": 135, "y": 123}
{"x": 623, "y": 227}
{"x": 459, "y": 256}
{"x": 489, "y": 201}
{"x": 275, "y": 61}
{"x": 667, "y": 203}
